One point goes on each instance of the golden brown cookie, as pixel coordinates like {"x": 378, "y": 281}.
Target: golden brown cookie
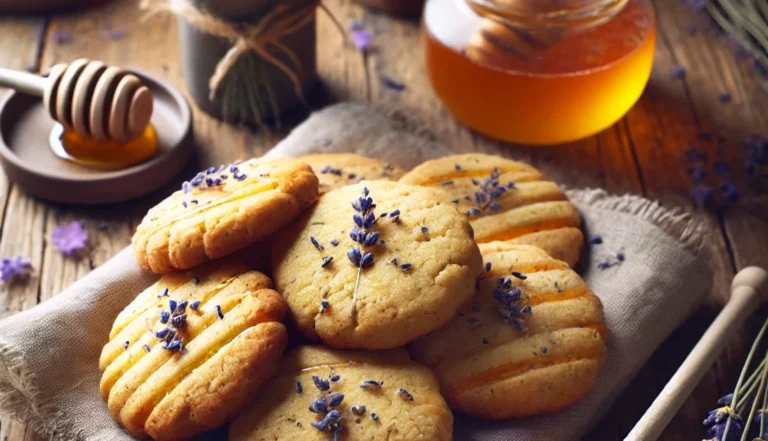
{"x": 336, "y": 170}
{"x": 222, "y": 210}
{"x": 362, "y": 395}
{"x": 402, "y": 272}
{"x": 532, "y": 340}
{"x": 171, "y": 374}
{"x": 506, "y": 201}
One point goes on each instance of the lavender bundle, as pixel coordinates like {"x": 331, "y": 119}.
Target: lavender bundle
{"x": 742, "y": 415}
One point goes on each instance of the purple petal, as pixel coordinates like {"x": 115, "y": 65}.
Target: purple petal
{"x": 62, "y": 37}
{"x": 361, "y": 39}
{"x": 70, "y": 238}
{"x": 115, "y": 34}
{"x": 391, "y": 83}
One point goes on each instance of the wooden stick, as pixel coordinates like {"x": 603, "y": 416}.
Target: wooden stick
{"x": 26, "y": 82}
{"x": 749, "y": 290}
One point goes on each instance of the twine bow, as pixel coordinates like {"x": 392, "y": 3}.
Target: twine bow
{"x": 282, "y": 20}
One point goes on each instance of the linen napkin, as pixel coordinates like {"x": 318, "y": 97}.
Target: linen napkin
{"x": 49, "y": 372}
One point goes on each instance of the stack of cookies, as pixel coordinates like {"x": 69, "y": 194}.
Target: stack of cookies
{"x": 394, "y": 299}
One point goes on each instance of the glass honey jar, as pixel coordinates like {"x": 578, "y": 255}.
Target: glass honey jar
{"x": 539, "y": 71}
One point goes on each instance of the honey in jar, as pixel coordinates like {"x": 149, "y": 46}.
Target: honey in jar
{"x": 538, "y": 71}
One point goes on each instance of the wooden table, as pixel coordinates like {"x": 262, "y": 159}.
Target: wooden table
{"x": 644, "y": 153}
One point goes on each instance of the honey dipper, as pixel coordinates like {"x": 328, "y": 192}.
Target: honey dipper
{"x": 96, "y": 101}
{"x": 749, "y": 291}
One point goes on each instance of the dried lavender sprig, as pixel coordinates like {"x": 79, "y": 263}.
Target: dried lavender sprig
{"x": 749, "y": 385}
{"x": 365, "y": 218}
{"x": 737, "y": 34}
{"x": 761, "y": 390}
{"x": 742, "y": 375}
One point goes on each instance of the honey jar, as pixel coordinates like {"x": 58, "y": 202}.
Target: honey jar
{"x": 539, "y": 71}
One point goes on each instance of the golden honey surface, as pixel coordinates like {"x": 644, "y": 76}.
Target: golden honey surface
{"x": 498, "y": 83}
{"x": 107, "y": 155}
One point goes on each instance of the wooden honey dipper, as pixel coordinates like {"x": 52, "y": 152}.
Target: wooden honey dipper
{"x": 749, "y": 291}
{"x": 96, "y": 101}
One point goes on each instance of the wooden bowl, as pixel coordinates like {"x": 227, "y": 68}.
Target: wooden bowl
{"x": 28, "y": 160}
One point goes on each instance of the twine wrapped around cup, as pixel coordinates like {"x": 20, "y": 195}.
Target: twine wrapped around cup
{"x": 245, "y": 62}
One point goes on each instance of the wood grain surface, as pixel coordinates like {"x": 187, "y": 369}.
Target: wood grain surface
{"x": 644, "y": 153}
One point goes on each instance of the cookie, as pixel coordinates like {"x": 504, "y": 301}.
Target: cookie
{"x": 356, "y": 395}
{"x": 506, "y": 201}
{"x": 222, "y": 210}
{"x": 173, "y": 374}
{"x": 376, "y": 265}
{"x": 531, "y": 342}
{"x": 336, "y": 170}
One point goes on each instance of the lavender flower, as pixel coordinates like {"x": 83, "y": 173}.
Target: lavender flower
{"x": 179, "y": 321}
{"x": 71, "y": 238}
{"x": 510, "y": 299}
{"x": 729, "y": 191}
{"x": 115, "y": 34}
{"x": 519, "y": 275}
{"x": 330, "y": 422}
{"x": 62, "y": 37}
{"x": 358, "y": 409}
{"x": 678, "y": 72}
{"x": 335, "y": 399}
{"x": 365, "y": 219}
{"x": 331, "y": 170}
{"x": 174, "y": 345}
{"x": 371, "y": 384}
{"x": 702, "y": 195}
{"x": 697, "y": 174}
{"x": 402, "y": 393}
{"x": 361, "y": 37}
{"x": 319, "y": 405}
{"x": 320, "y": 383}
{"x": 391, "y": 83}
{"x": 487, "y": 197}
{"x": 717, "y": 420}
{"x": 14, "y": 268}
{"x": 299, "y": 387}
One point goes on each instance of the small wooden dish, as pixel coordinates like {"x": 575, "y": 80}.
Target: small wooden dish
{"x": 28, "y": 160}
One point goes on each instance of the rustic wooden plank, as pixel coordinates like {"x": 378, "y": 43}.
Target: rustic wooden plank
{"x": 19, "y": 44}
{"x": 668, "y": 122}
{"x": 340, "y": 65}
